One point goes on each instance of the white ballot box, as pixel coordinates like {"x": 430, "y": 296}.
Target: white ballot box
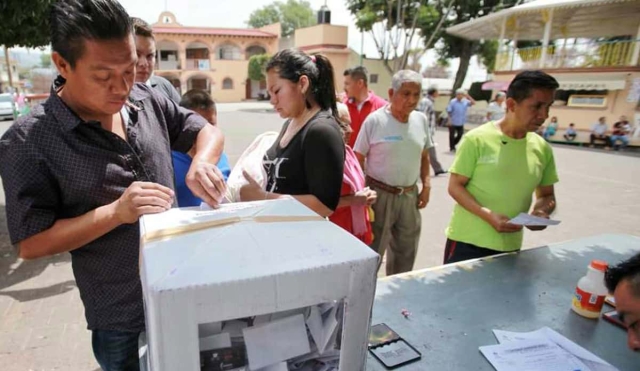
{"x": 254, "y": 286}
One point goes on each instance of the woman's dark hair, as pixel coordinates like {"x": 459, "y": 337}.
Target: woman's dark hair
{"x": 74, "y": 21}
{"x": 291, "y": 64}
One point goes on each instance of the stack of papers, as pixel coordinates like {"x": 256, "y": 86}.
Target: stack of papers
{"x": 532, "y": 220}
{"x": 543, "y": 350}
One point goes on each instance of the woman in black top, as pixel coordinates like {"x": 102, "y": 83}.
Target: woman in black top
{"x": 307, "y": 159}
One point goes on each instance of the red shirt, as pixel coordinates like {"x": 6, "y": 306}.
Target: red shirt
{"x": 371, "y": 104}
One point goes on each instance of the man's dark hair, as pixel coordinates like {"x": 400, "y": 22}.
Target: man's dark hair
{"x": 197, "y": 99}
{"x": 525, "y": 82}
{"x": 628, "y": 270}
{"x": 432, "y": 91}
{"x": 74, "y": 21}
{"x": 141, "y": 28}
{"x": 358, "y": 73}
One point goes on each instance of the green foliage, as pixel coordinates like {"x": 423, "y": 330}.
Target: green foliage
{"x": 292, "y": 15}
{"x": 45, "y": 60}
{"x": 487, "y": 54}
{"x": 24, "y": 23}
{"x": 371, "y": 12}
{"x": 393, "y": 25}
{"x": 257, "y": 65}
{"x": 454, "y": 47}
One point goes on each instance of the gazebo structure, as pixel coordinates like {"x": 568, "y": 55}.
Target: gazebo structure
{"x": 591, "y": 46}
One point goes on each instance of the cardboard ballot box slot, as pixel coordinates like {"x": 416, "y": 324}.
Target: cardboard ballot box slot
{"x": 302, "y": 339}
{"x": 257, "y": 271}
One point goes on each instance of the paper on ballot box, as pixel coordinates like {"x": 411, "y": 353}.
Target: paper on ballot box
{"x": 275, "y": 342}
{"x": 244, "y": 261}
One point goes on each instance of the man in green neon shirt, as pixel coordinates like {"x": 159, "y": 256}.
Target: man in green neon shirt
{"x": 497, "y": 168}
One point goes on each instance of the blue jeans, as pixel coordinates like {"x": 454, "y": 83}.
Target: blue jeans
{"x": 623, "y": 138}
{"x": 116, "y": 350}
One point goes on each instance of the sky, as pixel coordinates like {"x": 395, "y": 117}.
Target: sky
{"x": 213, "y": 13}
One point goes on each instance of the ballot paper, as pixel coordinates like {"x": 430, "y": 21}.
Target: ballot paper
{"x": 208, "y": 329}
{"x": 282, "y": 366}
{"x": 276, "y": 341}
{"x": 592, "y": 361}
{"x": 532, "y": 221}
{"x": 531, "y": 355}
{"x": 218, "y": 341}
{"x": 322, "y": 327}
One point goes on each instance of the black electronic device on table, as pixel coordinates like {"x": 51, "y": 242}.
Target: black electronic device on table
{"x": 389, "y": 348}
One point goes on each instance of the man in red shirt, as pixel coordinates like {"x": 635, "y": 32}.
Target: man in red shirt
{"x": 360, "y": 100}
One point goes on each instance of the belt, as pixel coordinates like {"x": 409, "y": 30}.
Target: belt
{"x": 390, "y": 189}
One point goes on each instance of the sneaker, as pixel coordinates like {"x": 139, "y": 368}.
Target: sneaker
{"x": 441, "y": 172}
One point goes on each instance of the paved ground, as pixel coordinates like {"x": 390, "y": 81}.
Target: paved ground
{"x": 41, "y": 318}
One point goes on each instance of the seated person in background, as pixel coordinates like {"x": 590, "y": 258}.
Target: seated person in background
{"x": 352, "y": 213}
{"x": 623, "y": 281}
{"x": 551, "y": 128}
{"x": 496, "y": 109}
{"x": 200, "y": 102}
{"x": 599, "y": 132}
{"x": 621, "y": 131}
{"x": 571, "y": 134}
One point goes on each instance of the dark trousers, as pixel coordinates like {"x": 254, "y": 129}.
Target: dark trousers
{"x": 605, "y": 138}
{"x": 455, "y": 134}
{"x": 456, "y": 251}
{"x": 116, "y": 350}
{"x": 435, "y": 164}
{"x": 569, "y": 137}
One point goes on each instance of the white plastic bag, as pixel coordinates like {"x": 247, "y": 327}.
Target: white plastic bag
{"x": 251, "y": 162}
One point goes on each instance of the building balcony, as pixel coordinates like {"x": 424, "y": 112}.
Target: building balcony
{"x": 198, "y": 65}
{"x": 585, "y": 55}
{"x": 168, "y": 65}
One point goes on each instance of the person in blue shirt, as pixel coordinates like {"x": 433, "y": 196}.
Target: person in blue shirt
{"x": 195, "y": 100}
{"x": 457, "y": 111}
{"x": 200, "y": 102}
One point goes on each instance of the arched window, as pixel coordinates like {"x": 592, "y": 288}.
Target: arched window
{"x": 255, "y": 50}
{"x": 229, "y": 52}
{"x": 227, "y": 84}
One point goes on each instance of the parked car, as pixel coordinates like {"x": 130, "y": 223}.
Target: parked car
{"x": 6, "y": 106}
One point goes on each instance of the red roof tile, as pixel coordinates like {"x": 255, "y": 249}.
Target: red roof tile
{"x": 213, "y": 31}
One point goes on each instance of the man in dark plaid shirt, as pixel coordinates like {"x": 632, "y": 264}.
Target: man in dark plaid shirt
{"x": 81, "y": 169}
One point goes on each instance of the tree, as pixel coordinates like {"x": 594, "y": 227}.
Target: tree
{"x": 45, "y": 60}
{"x": 394, "y": 25}
{"x": 450, "y": 46}
{"x": 24, "y": 23}
{"x": 488, "y": 50}
{"x": 292, "y": 15}
{"x": 257, "y": 65}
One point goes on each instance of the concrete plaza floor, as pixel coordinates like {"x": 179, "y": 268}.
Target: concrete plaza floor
{"x": 42, "y": 325}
